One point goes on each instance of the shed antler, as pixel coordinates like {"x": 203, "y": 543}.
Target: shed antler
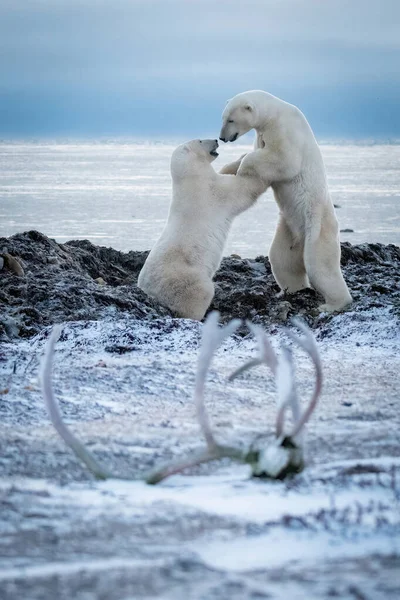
{"x": 278, "y": 459}
{"x": 282, "y": 457}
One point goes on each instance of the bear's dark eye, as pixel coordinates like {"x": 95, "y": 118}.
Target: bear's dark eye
{"x": 230, "y": 120}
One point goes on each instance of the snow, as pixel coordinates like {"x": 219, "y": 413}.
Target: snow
{"x": 212, "y": 532}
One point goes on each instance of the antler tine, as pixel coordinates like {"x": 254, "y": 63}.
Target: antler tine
{"x": 54, "y": 411}
{"x": 267, "y": 353}
{"x": 287, "y": 392}
{"x": 254, "y": 362}
{"x": 199, "y": 458}
{"x": 307, "y": 342}
{"x": 212, "y": 337}
{"x": 176, "y": 467}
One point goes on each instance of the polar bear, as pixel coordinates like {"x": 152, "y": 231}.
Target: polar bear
{"x": 178, "y": 271}
{"x": 306, "y": 247}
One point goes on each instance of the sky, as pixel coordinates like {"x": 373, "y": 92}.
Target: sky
{"x": 161, "y": 69}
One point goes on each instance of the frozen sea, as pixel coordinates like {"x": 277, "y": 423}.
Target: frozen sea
{"x": 117, "y": 193}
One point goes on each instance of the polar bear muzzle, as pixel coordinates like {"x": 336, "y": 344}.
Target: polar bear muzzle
{"x": 213, "y": 145}
{"x": 214, "y": 152}
{"x": 224, "y": 137}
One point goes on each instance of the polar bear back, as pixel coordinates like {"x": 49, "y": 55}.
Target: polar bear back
{"x": 287, "y": 156}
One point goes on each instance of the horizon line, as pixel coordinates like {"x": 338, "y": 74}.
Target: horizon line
{"x": 167, "y": 140}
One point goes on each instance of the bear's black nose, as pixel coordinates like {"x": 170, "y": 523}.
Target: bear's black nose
{"x": 222, "y": 139}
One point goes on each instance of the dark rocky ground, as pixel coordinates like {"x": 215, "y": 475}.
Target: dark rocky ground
{"x": 80, "y": 281}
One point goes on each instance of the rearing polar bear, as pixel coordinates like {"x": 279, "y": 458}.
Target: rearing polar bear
{"x": 178, "y": 271}
{"x": 306, "y": 245}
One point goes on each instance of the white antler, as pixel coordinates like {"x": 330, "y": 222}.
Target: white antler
{"x": 212, "y": 338}
{"x": 287, "y": 392}
{"x": 284, "y": 373}
{"x": 308, "y": 344}
{"x": 266, "y": 352}
{"x": 54, "y": 411}
{"x": 283, "y": 370}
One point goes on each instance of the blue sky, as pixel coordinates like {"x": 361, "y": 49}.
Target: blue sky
{"x": 165, "y": 68}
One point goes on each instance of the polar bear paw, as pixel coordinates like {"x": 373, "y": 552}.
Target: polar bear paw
{"x": 333, "y": 307}
{"x": 280, "y": 294}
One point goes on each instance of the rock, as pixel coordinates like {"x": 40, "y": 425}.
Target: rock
{"x": 283, "y": 311}
{"x": 10, "y": 326}
{"x": 347, "y": 231}
{"x": 92, "y": 282}
{"x": 13, "y": 264}
{"x": 1, "y": 262}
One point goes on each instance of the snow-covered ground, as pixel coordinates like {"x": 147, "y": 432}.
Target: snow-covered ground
{"x": 125, "y": 388}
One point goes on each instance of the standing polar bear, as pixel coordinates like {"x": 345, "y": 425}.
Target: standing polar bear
{"x": 178, "y": 271}
{"x": 306, "y": 247}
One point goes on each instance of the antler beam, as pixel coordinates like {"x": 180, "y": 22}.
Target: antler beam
{"x": 54, "y": 411}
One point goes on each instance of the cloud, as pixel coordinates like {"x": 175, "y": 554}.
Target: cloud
{"x": 66, "y": 53}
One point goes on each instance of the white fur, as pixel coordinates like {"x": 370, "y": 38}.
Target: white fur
{"x": 179, "y": 269}
{"x": 306, "y": 247}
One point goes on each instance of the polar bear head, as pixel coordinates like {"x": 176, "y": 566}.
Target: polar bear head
{"x": 191, "y": 157}
{"x": 240, "y": 115}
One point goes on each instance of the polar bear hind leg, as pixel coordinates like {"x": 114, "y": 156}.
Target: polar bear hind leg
{"x": 286, "y": 258}
{"x": 322, "y": 261}
{"x": 189, "y": 295}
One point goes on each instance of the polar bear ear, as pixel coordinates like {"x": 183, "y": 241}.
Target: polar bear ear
{"x": 227, "y": 102}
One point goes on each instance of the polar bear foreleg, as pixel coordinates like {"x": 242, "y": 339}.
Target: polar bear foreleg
{"x": 322, "y": 261}
{"x": 232, "y": 168}
{"x": 286, "y": 258}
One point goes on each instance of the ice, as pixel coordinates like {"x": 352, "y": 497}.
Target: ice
{"x": 117, "y": 194}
